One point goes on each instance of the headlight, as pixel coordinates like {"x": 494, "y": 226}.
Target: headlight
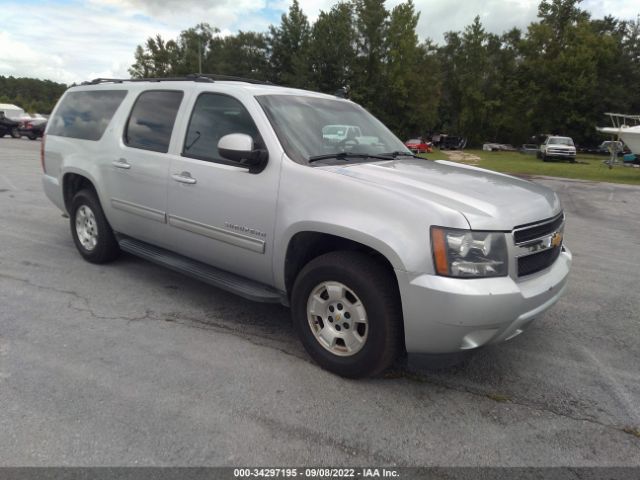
{"x": 469, "y": 254}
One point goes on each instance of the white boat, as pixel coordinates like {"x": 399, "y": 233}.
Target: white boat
{"x": 627, "y": 128}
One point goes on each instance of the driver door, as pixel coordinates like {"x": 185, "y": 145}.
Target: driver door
{"x": 218, "y": 212}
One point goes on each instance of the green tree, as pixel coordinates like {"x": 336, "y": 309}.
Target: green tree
{"x": 32, "y": 95}
{"x": 560, "y": 16}
{"x": 332, "y": 49}
{"x": 557, "y": 76}
{"x": 160, "y": 58}
{"x": 289, "y": 45}
{"x": 244, "y": 54}
{"x": 157, "y": 59}
{"x": 470, "y": 78}
{"x": 371, "y": 31}
{"x": 410, "y": 74}
{"x": 570, "y": 64}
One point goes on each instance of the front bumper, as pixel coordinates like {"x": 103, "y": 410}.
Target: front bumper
{"x": 561, "y": 154}
{"x": 447, "y": 315}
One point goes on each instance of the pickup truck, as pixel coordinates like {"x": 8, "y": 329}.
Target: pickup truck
{"x": 557, "y": 148}
{"x": 241, "y": 185}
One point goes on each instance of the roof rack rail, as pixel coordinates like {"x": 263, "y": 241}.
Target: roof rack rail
{"x": 192, "y": 77}
{"x": 232, "y": 78}
{"x": 96, "y": 81}
{"x": 187, "y": 78}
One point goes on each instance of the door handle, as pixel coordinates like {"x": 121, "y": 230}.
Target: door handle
{"x": 121, "y": 163}
{"x": 184, "y": 177}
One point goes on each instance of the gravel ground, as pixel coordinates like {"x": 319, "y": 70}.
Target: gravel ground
{"x": 132, "y": 364}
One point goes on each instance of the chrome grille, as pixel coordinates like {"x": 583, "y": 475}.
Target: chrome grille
{"x": 538, "y": 244}
{"x": 538, "y": 261}
{"x": 531, "y": 231}
{"x": 560, "y": 151}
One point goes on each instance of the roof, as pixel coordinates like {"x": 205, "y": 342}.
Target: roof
{"x": 9, "y": 106}
{"x": 199, "y": 82}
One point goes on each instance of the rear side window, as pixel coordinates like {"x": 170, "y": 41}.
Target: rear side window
{"x": 151, "y": 121}
{"x": 86, "y": 115}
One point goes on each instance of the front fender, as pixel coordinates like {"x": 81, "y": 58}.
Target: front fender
{"x": 390, "y": 222}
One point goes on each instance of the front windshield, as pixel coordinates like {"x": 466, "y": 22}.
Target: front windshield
{"x": 311, "y": 126}
{"x": 561, "y": 141}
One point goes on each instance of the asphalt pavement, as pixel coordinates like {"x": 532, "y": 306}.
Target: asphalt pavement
{"x": 132, "y": 364}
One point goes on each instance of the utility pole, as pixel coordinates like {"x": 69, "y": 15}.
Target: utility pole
{"x": 199, "y": 56}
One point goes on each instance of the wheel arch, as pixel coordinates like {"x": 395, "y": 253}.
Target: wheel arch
{"x": 305, "y": 245}
{"x": 72, "y": 183}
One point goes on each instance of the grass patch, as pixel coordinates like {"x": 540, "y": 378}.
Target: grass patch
{"x": 587, "y": 167}
{"x": 498, "y": 397}
{"x": 632, "y": 431}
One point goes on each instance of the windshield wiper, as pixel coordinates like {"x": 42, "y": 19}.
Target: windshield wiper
{"x": 347, "y": 156}
{"x": 402, "y": 153}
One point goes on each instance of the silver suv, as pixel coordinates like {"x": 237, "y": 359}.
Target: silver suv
{"x": 238, "y": 184}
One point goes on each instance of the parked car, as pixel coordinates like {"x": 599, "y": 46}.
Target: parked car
{"x": 418, "y": 145}
{"x": 558, "y": 148}
{"x": 607, "y": 146}
{"x": 451, "y": 142}
{"x": 8, "y": 126}
{"x": 340, "y": 133}
{"x": 375, "y": 251}
{"x": 12, "y": 111}
{"x": 33, "y": 128}
{"x": 498, "y": 147}
{"x": 529, "y": 149}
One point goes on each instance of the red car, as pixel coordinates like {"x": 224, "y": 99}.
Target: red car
{"x": 417, "y": 145}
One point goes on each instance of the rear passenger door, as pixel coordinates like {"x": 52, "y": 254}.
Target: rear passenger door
{"x": 137, "y": 176}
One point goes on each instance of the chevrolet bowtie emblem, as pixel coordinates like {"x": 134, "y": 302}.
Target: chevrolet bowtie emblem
{"x": 556, "y": 240}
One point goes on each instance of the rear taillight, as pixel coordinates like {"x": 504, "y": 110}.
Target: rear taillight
{"x": 42, "y": 154}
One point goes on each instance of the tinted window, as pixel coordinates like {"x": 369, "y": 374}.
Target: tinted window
{"x": 86, "y": 115}
{"x": 151, "y": 121}
{"x": 215, "y": 116}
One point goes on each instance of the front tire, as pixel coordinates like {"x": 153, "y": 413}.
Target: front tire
{"x": 90, "y": 229}
{"x": 15, "y": 133}
{"x": 347, "y": 310}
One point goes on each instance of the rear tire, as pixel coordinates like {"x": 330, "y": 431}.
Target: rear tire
{"x": 90, "y": 229}
{"x": 347, "y": 311}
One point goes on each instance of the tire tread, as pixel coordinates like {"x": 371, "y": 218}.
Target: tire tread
{"x": 372, "y": 271}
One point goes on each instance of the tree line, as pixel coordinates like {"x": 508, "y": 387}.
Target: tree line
{"x": 558, "y": 76}
{"x": 30, "y": 94}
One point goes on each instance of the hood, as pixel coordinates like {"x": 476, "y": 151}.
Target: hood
{"x": 488, "y": 200}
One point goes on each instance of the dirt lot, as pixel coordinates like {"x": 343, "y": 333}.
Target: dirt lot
{"x": 131, "y": 364}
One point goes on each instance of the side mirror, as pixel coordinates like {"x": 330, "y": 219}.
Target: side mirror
{"x": 239, "y": 148}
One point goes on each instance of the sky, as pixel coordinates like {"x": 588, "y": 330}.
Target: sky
{"x": 72, "y": 41}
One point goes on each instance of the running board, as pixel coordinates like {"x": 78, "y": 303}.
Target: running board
{"x": 228, "y": 281}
